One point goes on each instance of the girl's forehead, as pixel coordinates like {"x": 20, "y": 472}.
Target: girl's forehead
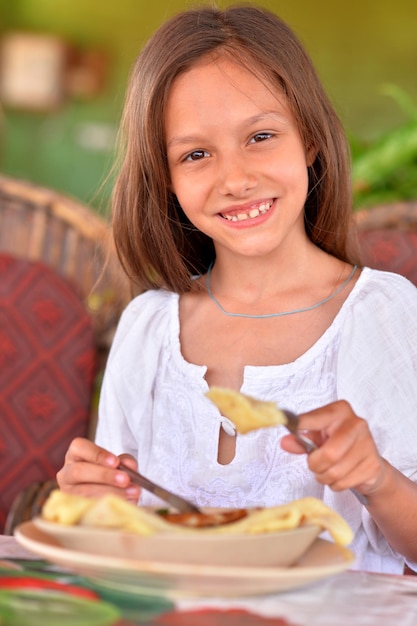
{"x": 221, "y": 94}
{"x": 232, "y": 66}
{"x": 219, "y": 70}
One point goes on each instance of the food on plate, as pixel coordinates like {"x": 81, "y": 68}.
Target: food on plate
{"x": 106, "y": 512}
{"x": 113, "y": 512}
{"x": 245, "y": 412}
{"x": 69, "y": 510}
{"x": 204, "y": 519}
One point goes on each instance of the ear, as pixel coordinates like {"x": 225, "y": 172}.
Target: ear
{"x": 311, "y": 154}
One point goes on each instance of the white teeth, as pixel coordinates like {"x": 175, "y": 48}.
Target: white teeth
{"x": 265, "y": 207}
{"x": 252, "y": 213}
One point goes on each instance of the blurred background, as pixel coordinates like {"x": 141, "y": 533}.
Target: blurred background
{"x": 64, "y": 66}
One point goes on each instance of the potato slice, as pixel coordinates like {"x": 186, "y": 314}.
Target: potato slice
{"x": 245, "y": 412}
{"x": 65, "y": 508}
{"x": 117, "y": 514}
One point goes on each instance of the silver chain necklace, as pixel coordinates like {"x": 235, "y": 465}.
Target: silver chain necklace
{"x": 308, "y": 308}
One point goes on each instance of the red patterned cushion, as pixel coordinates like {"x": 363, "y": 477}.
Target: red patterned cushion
{"x": 47, "y": 367}
{"x": 392, "y": 250}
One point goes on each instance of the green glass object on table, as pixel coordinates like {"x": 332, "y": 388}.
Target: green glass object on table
{"x": 137, "y": 607}
{"x": 20, "y": 609}
{"x": 43, "y": 607}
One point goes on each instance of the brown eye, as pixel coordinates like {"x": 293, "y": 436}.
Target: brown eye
{"x": 196, "y": 155}
{"x": 260, "y": 137}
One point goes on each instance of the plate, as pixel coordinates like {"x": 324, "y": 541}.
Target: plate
{"x": 197, "y": 547}
{"x": 179, "y": 580}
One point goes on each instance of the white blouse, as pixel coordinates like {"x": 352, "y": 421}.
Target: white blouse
{"x": 153, "y": 406}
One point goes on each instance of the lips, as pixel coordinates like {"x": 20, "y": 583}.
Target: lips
{"x": 246, "y": 213}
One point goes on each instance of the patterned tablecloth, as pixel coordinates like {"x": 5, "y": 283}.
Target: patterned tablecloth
{"x": 347, "y": 599}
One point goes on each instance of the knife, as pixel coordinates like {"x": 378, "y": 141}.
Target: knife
{"x": 182, "y": 505}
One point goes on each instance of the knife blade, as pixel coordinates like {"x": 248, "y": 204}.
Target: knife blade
{"x": 181, "y": 504}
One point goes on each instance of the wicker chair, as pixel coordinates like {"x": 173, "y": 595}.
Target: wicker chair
{"x": 42, "y": 228}
{"x": 43, "y": 225}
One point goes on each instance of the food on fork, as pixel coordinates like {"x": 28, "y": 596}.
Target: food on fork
{"x": 245, "y": 412}
{"x": 113, "y": 512}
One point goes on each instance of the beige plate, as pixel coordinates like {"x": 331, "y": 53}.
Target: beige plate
{"x": 196, "y": 547}
{"x": 176, "y": 580}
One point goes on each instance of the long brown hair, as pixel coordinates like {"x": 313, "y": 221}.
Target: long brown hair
{"x": 157, "y": 244}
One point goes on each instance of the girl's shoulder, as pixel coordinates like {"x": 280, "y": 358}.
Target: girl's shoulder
{"x": 149, "y": 314}
{"x": 385, "y": 279}
{"x": 377, "y": 286}
{"x": 376, "y": 276}
{"x": 149, "y": 302}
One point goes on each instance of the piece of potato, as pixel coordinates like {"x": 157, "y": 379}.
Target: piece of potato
{"x": 115, "y": 513}
{"x": 245, "y": 412}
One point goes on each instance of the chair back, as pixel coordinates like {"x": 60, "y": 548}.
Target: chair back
{"x": 388, "y": 238}
{"x": 40, "y": 224}
{"x": 47, "y": 370}
{"x": 62, "y": 291}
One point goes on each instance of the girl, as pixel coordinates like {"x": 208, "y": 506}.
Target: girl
{"x": 232, "y": 212}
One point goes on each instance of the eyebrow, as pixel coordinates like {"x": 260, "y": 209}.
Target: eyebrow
{"x": 183, "y": 140}
{"x": 251, "y": 121}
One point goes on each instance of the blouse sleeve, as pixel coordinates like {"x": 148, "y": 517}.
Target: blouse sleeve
{"x": 127, "y": 389}
{"x": 377, "y": 367}
{"x": 378, "y": 375}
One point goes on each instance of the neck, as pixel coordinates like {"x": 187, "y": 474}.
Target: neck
{"x": 281, "y": 313}
{"x": 252, "y": 279}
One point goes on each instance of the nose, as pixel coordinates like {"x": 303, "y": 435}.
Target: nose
{"x": 236, "y": 176}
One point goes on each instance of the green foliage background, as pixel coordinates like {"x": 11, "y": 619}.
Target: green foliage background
{"x": 356, "y": 47}
{"x": 385, "y": 170}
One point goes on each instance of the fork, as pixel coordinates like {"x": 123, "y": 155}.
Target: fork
{"x": 309, "y": 445}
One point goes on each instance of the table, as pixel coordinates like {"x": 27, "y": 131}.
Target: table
{"x": 350, "y": 598}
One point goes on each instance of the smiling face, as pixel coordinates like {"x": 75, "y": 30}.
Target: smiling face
{"x": 236, "y": 160}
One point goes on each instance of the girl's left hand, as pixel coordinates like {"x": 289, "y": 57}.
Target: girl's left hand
{"x": 347, "y": 455}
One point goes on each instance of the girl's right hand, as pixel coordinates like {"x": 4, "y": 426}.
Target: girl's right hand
{"x": 92, "y": 471}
